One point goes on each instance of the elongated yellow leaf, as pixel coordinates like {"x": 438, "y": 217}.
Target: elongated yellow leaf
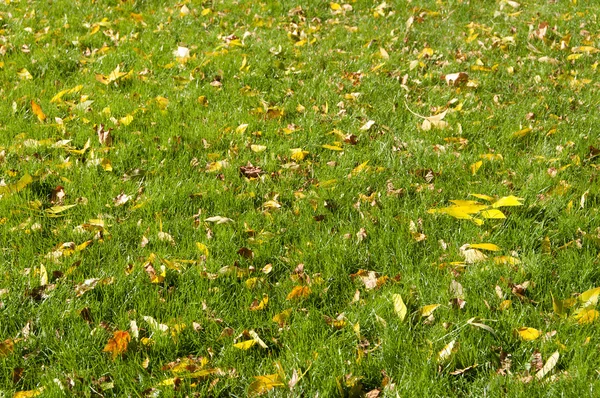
{"x": 557, "y": 306}
{"x": 428, "y": 309}
{"x": 461, "y": 202}
{"x": 548, "y": 366}
{"x": 244, "y": 345}
{"x": 528, "y": 334}
{"x": 446, "y": 352}
{"x": 332, "y": 147}
{"x": 484, "y": 197}
{"x": 492, "y": 213}
{"x": 17, "y": 186}
{"x": 475, "y": 167}
{"x": 521, "y": 133}
{"x": 399, "y": 306}
{"x": 507, "y": 260}
{"x": 508, "y": 201}
{"x": 58, "y": 209}
{"x": 485, "y": 246}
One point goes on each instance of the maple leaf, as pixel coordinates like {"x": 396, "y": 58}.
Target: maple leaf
{"x": 117, "y": 344}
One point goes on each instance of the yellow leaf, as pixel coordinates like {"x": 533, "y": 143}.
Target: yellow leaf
{"x": 261, "y": 305}
{"x": 162, "y": 102}
{"x": 332, "y": 147}
{"x": 528, "y": 334}
{"x": 54, "y": 210}
{"x": 283, "y": 316}
{"x": 335, "y": 6}
{"x": 24, "y": 74}
{"x": 37, "y": 110}
{"x": 241, "y": 128}
{"x": 263, "y": 384}
{"x": 359, "y": 168}
{"x": 205, "y": 12}
{"x": 584, "y": 49}
{"x": 299, "y": 292}
{"x": 258, "y": 148}
{"x": 203, "y": 249}
{"x": 507, "y": 260}
{"x": 504, "y": 305}
{"x": 521, "y": 133}
{"x": 586, "y": 316}
{"x": 508, "y": 201}
{"x": 428, "y": 309}
{"x": 475, "y": 166}
{"x": 446, "y": 352}
{"x": 245, "y": 345}
{"x": 126, "y": 120}
{"x": 492, "y": 213}
{"x": 298, "y": 154}
{"x": 106, "y": 164}
{"x": 16, "y": 187}
{"x": 28, "y": 394}
{"x": 485, "y": 246}
{"x": 558, "y": 307}
{"x": 399, "y": 306}
{"x": 484, "y": 197}
{"x": 589, "y": 297}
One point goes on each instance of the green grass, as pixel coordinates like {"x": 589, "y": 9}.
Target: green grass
{"x": 294, "y": 90}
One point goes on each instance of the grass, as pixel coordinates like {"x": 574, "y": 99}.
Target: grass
{"x": 281, "y": 77}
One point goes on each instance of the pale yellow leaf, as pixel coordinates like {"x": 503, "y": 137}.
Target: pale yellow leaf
{"x": 399, "y": 306}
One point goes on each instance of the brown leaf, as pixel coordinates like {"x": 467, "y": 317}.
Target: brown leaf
{"x": 246, "y": 253}
{"x": 251, "y": 171}
{"x": 536, "y": 361}
{"x": 6, "y": 347}
{"x": 456, "y": 79}
{"x": 104, "y": 136}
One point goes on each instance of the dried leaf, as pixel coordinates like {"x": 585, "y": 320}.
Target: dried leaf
{"x": 299, "y": 292}
{"x": 118, "y": 343}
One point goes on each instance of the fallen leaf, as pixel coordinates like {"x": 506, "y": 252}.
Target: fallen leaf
{"x": 264, "y": 384}
{"x": 456, "y": 79}
{"x": 399, "y": 306}
{"x": 527, "y": 334}
{"x": 37, "y": 110}
{"x": 218, "y": 220}
{"x": 299, "y": 292}
{"x": 427, "y": 310}
{"x": 548, "y": 366}
{"x": 118, "y": 343}
{"x": 446, "y": 352}
{"x": 245, "y": 345}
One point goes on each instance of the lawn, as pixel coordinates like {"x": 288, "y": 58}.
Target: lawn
{"x": 236, "y": 198}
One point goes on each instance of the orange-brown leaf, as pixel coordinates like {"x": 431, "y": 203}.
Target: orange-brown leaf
{"x": 299, "y": 292}
{"x": 118, "y": 343}
{"x": 37, "y": 110}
